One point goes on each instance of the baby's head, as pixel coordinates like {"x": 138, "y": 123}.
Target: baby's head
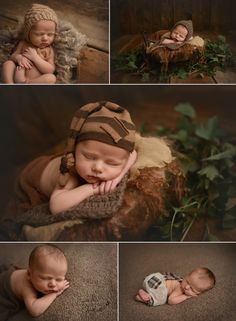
{"x": 182, "y": 31}
{"x": 47, "y": 268}
{"x": 40, "y": 25}
{"x": 198, "y": 281}
{"x": 101, "y": 139}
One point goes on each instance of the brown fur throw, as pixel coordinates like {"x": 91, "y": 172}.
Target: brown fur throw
{"x": 190, "y": 50}
{"x": 67, "y": 44}
{"x": 145, "y": 199}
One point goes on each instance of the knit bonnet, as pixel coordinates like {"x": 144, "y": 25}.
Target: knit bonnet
{"x": 38, "y": 12}
{"x": 188, "y": 25}
{"x": 103, "y": 121}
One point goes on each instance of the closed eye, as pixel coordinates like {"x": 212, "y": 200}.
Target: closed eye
{"x": 89, "y": 156}
{"x": 113, "y": 164}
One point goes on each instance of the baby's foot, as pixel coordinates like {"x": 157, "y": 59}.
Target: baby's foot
{"x": 144, "y": 296}
{"x": 138, "y": 298}
{"x": 19, "y": 77}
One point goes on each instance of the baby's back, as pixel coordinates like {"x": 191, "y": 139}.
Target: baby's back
{"x": 18, "y": 281}
{"x": 50, "y": 176}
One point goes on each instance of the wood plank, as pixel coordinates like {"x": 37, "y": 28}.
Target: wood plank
{"x": 193, "y": 79}
{"x": 131, "y": 16}
{"x": 94, "y": 66}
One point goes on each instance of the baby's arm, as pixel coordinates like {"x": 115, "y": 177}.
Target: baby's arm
{"x": 176, "y": 299}
{"x": 166, "y": 41}
{"x": 37, "y": 306}
{"x": 42, "y": 65}
{"x": 63, "y": 199}
{"x": 18, "y": 58}
{"x": 109, "y": 186}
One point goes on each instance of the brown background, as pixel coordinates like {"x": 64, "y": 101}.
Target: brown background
{"x": 131, "y": 17}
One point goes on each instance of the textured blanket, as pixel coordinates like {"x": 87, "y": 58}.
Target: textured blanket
{"x": 92, "y": 272}
{"x": 9, "y": 304}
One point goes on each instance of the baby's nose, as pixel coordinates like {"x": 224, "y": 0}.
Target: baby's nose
{"x": 52, "y": 283}
{"x": 97, "y": 168}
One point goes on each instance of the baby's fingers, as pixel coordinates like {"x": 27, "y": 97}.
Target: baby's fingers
{"x": 108, "y": 186}
{"x": 102, "y": 188}
{"x": 66, "y": 283}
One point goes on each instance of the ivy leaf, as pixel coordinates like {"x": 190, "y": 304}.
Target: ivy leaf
{"x": 208, "y": 130}
{"x": 131, "y": 64}
{"x": 189, "y": 165}
{"x": 181, "y": 135}
{"x": 186, "y": 109}
{"x": 221, "y": 38}
{"x": 185, "y": 123}
{"x": 145, "y": 77}
{"x": 182, "y": 73}
{"x": 229, "y": 153}
{"x": 211, "y": 172}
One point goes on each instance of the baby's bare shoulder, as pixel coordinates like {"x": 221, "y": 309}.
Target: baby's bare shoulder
{"x": 50, "y": 176}
{"x": 19, "y": 282}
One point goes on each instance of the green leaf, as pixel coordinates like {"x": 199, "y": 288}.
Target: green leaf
{"x": 186, "y": 109}
{"x": 229, "y": 153}
{"x": 146, "y": 77}
{"x": 185, "y": 123}
{"x": 208, "y": 130}
{"x": 132, "y": 65}
{"x": 211, "y": 172}
{"x": 189, "y": 165}
{"x": 221, "y": 38}
{"x": 181, "y": 135}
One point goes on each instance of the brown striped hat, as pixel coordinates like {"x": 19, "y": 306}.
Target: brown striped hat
{"x": 103, "y": 121}
{"x": 36, "y": 13}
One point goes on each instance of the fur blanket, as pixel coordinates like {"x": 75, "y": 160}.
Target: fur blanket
{"x": 67, "y": 44}
{"x": 155, "y": 181}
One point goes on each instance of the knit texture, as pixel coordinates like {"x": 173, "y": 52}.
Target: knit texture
{"x": 36, "y": 13}
{"x": 188, "y": 25}
{"x": 103, "y": 121}
{"x": 94, "y": 207}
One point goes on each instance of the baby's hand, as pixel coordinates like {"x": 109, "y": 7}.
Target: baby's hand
{"x": 105, "y": 187}
{"x": 24, "y": 62}
{"x": 65, "y": 286}
{"x": 166, "y": 41}
{"x": 30, "y": 53}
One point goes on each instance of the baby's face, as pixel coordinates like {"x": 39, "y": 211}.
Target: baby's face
{"x": 179, "y": 33}
{"x": 192, "y": 285}
{"x": 42, "y": 33}
{"x": 47, "y": 275}
{"x": 96, "y": 162}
